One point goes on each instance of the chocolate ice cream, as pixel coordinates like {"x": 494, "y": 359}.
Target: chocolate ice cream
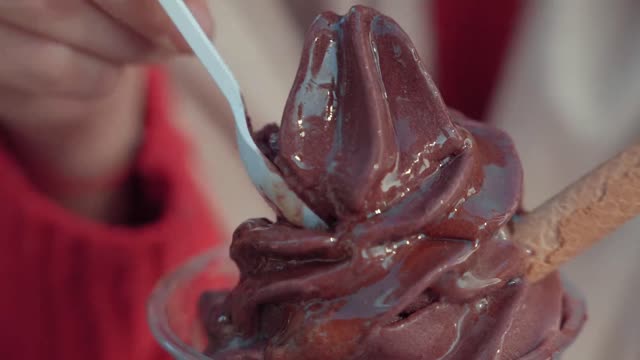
{"x": 417, "y": 261}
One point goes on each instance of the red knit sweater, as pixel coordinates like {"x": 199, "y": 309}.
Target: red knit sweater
{"x": 71, "y": 288}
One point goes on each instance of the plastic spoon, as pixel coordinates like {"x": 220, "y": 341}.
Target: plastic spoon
{"x": 262, "y": 173}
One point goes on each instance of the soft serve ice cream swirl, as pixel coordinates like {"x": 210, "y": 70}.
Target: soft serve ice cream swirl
{"x": 417, "y": 261}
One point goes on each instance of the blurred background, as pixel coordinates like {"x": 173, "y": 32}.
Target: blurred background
{"x": 562, "y": 77}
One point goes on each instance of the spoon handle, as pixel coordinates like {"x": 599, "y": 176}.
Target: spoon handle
{"x": 265, "y": 178}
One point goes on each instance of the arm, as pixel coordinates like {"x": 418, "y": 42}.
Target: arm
{"x": 73, "y": 157}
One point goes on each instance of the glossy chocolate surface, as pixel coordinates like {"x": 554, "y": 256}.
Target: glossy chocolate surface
{"x": 417, "y": 263}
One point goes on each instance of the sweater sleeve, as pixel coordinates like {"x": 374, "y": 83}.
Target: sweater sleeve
{"x": 71, "y": 288}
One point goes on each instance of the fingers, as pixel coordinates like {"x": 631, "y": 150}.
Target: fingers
{"x": 121, "y": 31}
{"x": 148, "y": 18}
{"x": 21, "y": 112}
{"x": 24, "y": 112}
{"x": 32, "y": 65}
{"x": 79, "y": 24}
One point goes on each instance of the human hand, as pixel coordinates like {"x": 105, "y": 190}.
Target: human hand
{"x": 71, "y": 95}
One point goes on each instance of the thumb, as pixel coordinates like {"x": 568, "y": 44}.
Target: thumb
{"x": 148, "y": 18}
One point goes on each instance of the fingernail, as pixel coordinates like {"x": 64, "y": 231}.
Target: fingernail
{"x": 201, "y": 12}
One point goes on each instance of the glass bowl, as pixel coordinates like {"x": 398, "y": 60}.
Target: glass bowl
{"x": 174, "y": 317}
{"x": 173, "y": 306}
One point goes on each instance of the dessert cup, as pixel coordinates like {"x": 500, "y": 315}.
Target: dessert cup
{"x": 173, "y": 306}
{"x": 176, "y": 323}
